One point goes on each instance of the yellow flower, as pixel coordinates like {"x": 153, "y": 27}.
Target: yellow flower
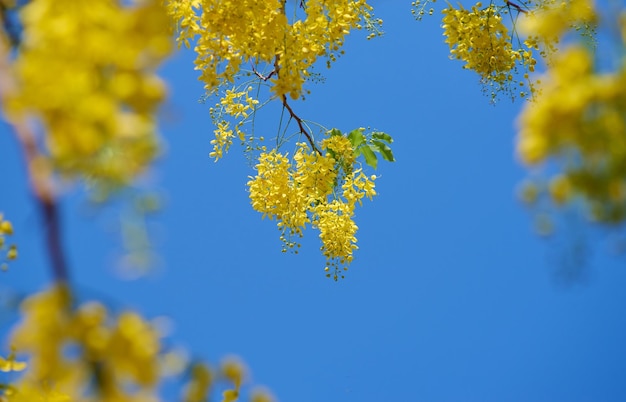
{"x": 5, "y": 227}
{"x": 10, "y": 364}
{"x": 337, "y": 232}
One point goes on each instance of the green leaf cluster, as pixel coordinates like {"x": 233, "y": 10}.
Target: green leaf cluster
{"x": 371, "y": 144}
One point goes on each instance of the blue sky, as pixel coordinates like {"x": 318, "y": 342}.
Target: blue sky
{"x": 451, "y": 296}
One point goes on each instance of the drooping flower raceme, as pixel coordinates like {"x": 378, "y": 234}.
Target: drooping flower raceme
{"x": 317, "y": 189}
{"x": 233, "y": 34}
{"x": 272, "y": 45}
{"x": 479, "y": 38}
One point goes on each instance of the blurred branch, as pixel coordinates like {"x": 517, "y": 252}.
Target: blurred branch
{"x": 39, "y": 171}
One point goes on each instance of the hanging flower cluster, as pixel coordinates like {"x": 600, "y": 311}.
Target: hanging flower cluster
{"x": 231, "y": 34}
{"x": 317, "y": 189}
{"x": 479, "y": 38}
{"x": 271, "y": 46}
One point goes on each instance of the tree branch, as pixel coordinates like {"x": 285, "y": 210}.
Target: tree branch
{"x": 283, "y": 98}
{"x": 261, "y": 76}
{"x": 298, "y": 120}
{"x": 39, "y": 173}
{"x": 515, "y": 6}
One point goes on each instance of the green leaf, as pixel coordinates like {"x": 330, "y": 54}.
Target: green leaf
{"x": 370, "y": 156}
{"x": 382, "y": 137}
{"x": 334, "y": 132}
{"x": 356, "y": 138}
{"x": 384, "y": 150}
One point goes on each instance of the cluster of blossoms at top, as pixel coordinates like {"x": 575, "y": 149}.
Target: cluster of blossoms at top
{"x": 6, "y": 229}
{"x": 480, "y": 38}
{"x": 94, "y": 99}
{"x": 230, "y": 34}
{"x": 578, "y": 122}
{"x": 317, "y": 189}
{"x": 84, "y": 354}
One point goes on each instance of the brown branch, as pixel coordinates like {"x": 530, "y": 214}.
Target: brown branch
{"x": 283, "y": 98}
{"x": 298, "y": 120}
{"x": 261, "y": 76}
{"x": 515, "y": 6}
{"x": 39, "y": 172}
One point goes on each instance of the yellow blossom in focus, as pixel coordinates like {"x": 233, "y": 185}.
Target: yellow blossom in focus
{"x": 223, "y": 140}
{"x": 321, "y": 189}
{"x": 230, "y": 34}
{"x": 479, "y": 38}
{"x": 337, "y": 232}
{"x": 236, "y": 105}
{"x": 341, "y": 148}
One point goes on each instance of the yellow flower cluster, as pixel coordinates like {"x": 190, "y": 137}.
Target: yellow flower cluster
{"x": 480, "y": 38}
{"x": 85, "y": 70}
{"x": 73, "y": 350}
{"x": 553, "y": 18}
{"x": 6, "y": 229}
{"x": 337, "y": 229}
{"x": 11, "y": 364}
{"x": 186, "y": 17}
{"x": 579, "y": 120}
{"x": 341, "y": 149}
{"x": 231, "y": 33}
{"x": 418, "y": 8}
{"x": 84, "y": 354}
{"x": 321, "y": 190}
{"x": 236, "y": 105}
{"x": 274, "y": 192}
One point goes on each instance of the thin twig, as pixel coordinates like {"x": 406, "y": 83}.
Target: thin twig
{"x": 261, "y": 76}
{"x": 298, "y": 120}
{"x": 283, "y": 98}
{"x": 515, "y": 6}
